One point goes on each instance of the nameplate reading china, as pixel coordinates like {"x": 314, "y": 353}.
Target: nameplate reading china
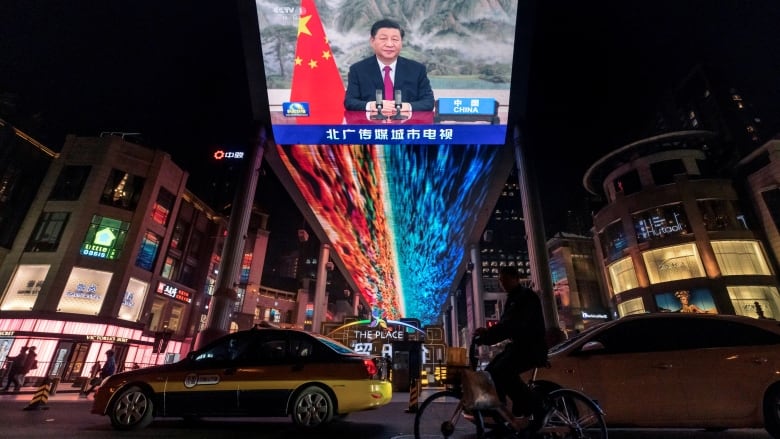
{"x": 467, "y": 106}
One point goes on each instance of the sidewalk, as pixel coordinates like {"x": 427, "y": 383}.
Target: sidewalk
{"x": 29, "y": 390}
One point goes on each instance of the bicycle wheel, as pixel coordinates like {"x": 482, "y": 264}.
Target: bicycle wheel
{"x": 572, "y": 415}
{"x": 441, "y": 416}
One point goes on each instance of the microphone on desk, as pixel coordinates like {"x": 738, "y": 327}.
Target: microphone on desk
{"x": 379, "y": 115}
{"x": 399, "y": 103}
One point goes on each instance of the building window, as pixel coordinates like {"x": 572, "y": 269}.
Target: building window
{"x": 48, "y": 232}
{"x": 147, "y": 254}
{"x": 187, "y": 276}
{"x": 622, "y": 275}
{"x": 246, "y": 266}
{"x": 755, "y": 301}
{"x": 272, "y": 315}
{"x": 664, "y": 171}
{"x": 161, "y": 211}
{"x": 673, "y": 263}
{"x": 740, "y": 258}
{"x": 122, "y": 190}
{"x": 628, "y": 183}
{"x": 721, "y": 215}
{"x": 70, "y": 183}
{"x": 179, "y": 234}
{"x": 772, "y": 201}
{"x": 193, "y": 247}
{"x": 613, "y": 241}
{"x": 170, "y": 268}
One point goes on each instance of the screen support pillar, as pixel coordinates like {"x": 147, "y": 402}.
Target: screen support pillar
{"x": 537, "y": 246}
{"x": 218, "y": 320}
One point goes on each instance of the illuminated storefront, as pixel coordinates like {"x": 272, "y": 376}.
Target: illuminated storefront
{"x": 678, "y": 242}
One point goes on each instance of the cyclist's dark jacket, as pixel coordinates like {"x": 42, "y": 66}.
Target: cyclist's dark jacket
{"x": 523, "y": 323}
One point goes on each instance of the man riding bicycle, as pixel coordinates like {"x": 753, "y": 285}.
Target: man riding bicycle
{"x": 522, "y": 322}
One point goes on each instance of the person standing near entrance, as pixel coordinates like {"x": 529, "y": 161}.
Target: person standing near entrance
{"x": 108, "y": 369}
{"x": 30, "y": 363}
{"x": 16, "y": 369}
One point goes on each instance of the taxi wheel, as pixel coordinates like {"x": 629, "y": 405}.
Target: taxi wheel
{"x": 131, "y": 410}
{"x": 312, "y": 408}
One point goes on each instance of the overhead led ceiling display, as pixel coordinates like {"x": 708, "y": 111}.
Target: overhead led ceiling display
{"x": 400, "y": 218}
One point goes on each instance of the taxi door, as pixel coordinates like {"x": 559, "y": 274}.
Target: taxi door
{"x": 273, "y": 367}
{"x": 207, "y": 382}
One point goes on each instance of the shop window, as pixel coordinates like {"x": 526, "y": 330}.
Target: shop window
{"x": 122, "y": 190}
{"x": 622, "y": 275}
{"x": 176, "y": 317}
{"x": 150, "y": 247}
{"x": 48, "y": 232}
{"x": 632, "y": 306}
{"x": 22, "y": 291}
{"x": 673, "y": 263}
{"x": 133, "y": 302}
{"x": 161, "y": 211}
{"x": 757, "y": 301}
{"x": 85, "y": 291}
{"x": 155, "y": 321}
{"x": 740, "y": 258}
{"x": 70, "y": 183}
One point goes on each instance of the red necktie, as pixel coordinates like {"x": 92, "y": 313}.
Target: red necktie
{"x": 388, "y": 85}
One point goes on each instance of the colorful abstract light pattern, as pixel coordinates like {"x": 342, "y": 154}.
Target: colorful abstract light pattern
{"x": 397, "y": 216}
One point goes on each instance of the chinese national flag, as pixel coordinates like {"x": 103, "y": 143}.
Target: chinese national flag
{"x": 316, "y": 78}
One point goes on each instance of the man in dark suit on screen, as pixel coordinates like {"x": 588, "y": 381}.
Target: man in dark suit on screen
{"x": 367, "y": 76}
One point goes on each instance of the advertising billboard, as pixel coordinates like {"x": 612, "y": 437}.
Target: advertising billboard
{"x": 465, "y": 49}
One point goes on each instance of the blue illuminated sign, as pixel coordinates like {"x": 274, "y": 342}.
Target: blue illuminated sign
{"x": 389, "y": 134}
{"x": 467, "y": 106}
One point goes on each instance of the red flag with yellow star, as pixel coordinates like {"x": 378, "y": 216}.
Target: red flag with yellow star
{"x": 316, "y": 78}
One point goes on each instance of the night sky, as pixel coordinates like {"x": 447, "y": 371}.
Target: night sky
{"x": 173, "y": 71}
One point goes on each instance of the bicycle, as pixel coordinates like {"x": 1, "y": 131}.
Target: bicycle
{"x": 568, "y": 414}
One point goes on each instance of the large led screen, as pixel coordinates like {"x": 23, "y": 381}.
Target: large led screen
{"x": 466, "y": 48}
{"x": 400, "y": 218}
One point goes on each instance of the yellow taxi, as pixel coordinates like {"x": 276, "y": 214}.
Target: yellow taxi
{"x": 262, "y": 372}
{"x": 683, "y": 370}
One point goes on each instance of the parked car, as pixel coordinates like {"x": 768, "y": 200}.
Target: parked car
{"x": 676, "y": 370}
{"x": 259, "y": 372}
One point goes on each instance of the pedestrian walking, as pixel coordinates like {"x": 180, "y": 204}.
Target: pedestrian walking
{"x": 16, "y": 369}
